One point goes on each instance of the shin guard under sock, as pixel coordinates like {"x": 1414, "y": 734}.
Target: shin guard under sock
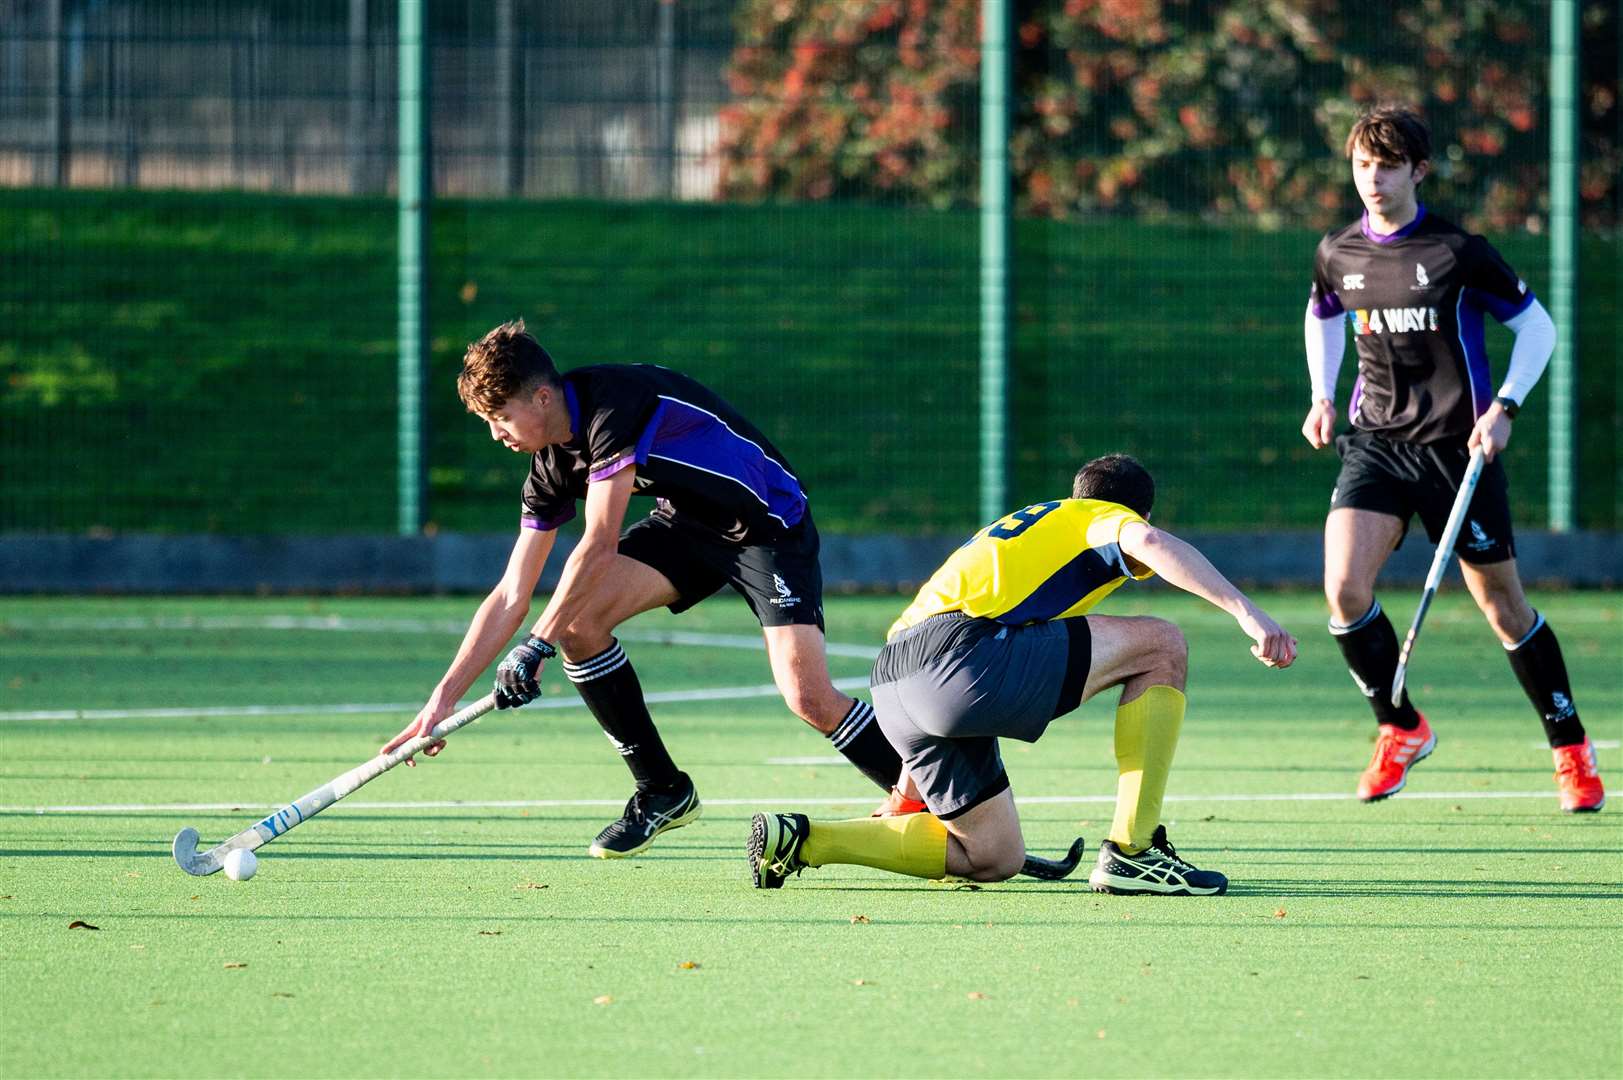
{"x": 1370, "y": 647}
{"x": 609, "y": 686}
{"x": 1146, "y": 738}
{"x": 864, "y": 745}
{"x": 913, "y": 844}
{"x": 1536, "y": 660}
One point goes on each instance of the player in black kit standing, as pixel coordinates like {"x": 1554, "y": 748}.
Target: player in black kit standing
{"x": 1415, "y": 289}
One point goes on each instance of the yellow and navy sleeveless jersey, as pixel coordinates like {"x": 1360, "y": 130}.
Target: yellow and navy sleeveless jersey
{"x": 1051, "y": 560}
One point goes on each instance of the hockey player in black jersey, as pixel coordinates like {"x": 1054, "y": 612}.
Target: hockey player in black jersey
{"x": 1415, "y": 289}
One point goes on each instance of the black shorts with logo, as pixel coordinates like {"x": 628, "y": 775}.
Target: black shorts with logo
{"x": 1390, "y": 476}
{"x": 782, "y": 582}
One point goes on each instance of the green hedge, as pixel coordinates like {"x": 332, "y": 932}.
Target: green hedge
{"x": 179, "y": 362}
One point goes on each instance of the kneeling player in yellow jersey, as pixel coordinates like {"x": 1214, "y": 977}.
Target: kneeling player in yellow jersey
{"x": 998, "y": 643}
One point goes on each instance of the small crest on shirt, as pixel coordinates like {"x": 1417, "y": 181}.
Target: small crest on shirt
{"x": 1352, "y": 281}
{"x": 1420, "y": 277}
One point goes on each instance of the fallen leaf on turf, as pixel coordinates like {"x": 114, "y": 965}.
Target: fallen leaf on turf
{"x": 280, "y": 994}
{"x": 133, "y": 873}
{"x": 1101, "y": 1033}
{"x": 1209, "y": 817}
{"x": 137, "y": 947}
{"x": 1279, "y": 913}
{"x": 860, "y": 982}
{"x": 530, "y": 885}
{"x": 80, "y": 924}
{"x": 603, "y": 999}
{"x": 8, "y": 896}
{"x": 860, "y": 919}
{"x": 976, "y": 995}
{"x": 688, "y": 965}
{"x": 1360, "y": 976}
{"x": 236, "y": 964}
{"x": 490, "y": 933}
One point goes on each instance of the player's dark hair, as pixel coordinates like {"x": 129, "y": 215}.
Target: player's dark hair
{"x": 1116, "y": 478}
{"x": 500, "y": 365}
{"x": 1391, "y": 134}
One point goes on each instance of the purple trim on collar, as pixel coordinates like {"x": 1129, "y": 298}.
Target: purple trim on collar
{"x": 1392, "y": 238}
{"x": 573, "y": 405}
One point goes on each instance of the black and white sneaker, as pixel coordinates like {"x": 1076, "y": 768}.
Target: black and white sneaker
{"x": 648, "y": 814}
{"x": 1156, "y": 870}
{"x": 775, "y": 842}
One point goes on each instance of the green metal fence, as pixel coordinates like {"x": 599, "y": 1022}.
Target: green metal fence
{"x": 201, "y": 229}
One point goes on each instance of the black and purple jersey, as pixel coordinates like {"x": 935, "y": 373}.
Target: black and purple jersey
{"x": 696, "y": 454}
{"x": 1415, "y": 300}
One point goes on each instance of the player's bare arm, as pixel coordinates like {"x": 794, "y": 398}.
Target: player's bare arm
{"x": 588, "y": 565}
{"x": 1181, "y": 564}
{"x": 493, "y": 626}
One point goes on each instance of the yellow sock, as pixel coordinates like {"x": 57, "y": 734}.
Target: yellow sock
{"x": 1146, "y": 738}
{"x": 913, "y": 844}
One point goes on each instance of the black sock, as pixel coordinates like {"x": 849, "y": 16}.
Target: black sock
{"x": 865, "y": 746}
{"x": 608, "y": 684}
{"x": 1536, "y": 660}
{"x": 1370, "y": 647}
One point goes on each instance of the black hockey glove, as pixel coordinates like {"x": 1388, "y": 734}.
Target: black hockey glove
{"x": 516, "y": 677}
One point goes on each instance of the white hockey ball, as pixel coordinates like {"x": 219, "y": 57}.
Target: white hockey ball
{"x": 241, "y": 864}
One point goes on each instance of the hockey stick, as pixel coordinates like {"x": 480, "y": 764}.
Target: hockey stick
{"x": 308, "y": 806}
{"x": 1054, "y": 869}
{"x": 1439, "y": 566}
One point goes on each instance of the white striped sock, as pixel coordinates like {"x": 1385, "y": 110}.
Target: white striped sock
{"x": 609, "y": 660}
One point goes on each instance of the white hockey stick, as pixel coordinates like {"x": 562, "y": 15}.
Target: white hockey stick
{"x": 308, "y": 806}
{"x": 1439, "y": 566}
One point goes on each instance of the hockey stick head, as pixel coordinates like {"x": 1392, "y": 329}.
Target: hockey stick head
{"x": 186, "y": 856}
{"x": 1054, "y": 869}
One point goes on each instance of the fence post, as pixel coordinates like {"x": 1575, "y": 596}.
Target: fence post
{"x": 360, "y": 100}
{"x": 665, "y": 118}
{"x": 58, "y": 115}
{"x": 416, "y": 191}
{"x": 995, "y": 259}
{"x": 1564, "y": 69}
{"x": 509, "y": 99}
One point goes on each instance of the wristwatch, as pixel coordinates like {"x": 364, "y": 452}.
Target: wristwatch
{"x": 1510, "y": 406}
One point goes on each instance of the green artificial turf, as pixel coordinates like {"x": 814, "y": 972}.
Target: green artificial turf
{"x": 1459, "y": 929}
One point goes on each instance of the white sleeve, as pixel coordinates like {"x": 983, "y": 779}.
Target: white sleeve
{"x": 1535, "y": 341}
{"x": 1326, "y": 341}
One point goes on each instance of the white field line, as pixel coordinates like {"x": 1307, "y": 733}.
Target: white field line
{"x": 714, "y": 693}
{"x": 345, "y": 624}
{"x": 768, "y": 800}
{"x": 1599, "y": 744}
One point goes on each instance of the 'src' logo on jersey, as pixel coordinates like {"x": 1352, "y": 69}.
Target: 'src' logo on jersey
{"x": 1402, "y": 320}
{"x": 1352, "y": 281}
{"x": 1421, "y": 280}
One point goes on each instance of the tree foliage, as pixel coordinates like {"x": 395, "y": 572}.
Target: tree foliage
{"x": 1215, "y": 107}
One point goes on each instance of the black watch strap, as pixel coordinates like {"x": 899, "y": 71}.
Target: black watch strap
{"x": 1509, "y": 405}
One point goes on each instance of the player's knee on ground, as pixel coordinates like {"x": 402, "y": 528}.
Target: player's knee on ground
{"x": 988, "y": 862}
